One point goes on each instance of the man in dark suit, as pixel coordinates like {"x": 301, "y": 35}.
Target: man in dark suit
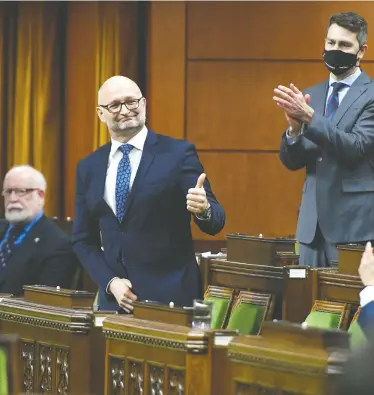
{"x": 366, "y": 271}
{"x": 33, "y": 250}
{"x": 331, "y": 134}
{"x": 138, "y": 193}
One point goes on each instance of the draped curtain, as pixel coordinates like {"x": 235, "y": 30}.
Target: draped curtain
{"x": 116, "y": 53}
{"x": 32, "y": 92}
{"x": 34, "y": 80}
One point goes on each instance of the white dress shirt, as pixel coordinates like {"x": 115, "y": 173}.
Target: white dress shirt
{"x": 348, "y": 81}
{"x": 115, "y": 157}
{"x": 367, "y": 295}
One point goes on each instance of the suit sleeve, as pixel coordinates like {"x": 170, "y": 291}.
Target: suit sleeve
{"x": 347, "y": 145}
{"x": 366, "y": 320}
{"x": 190, "y": 172}
{"x": 59, "y": 267}
{"x": 86, "y": 238}
{"x": 293, "y": 156}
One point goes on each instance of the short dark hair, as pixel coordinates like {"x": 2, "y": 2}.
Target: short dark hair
{"x": 352, "y": 22}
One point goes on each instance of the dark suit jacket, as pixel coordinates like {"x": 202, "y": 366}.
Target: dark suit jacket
{"x": 339, "y": 159}
{"x": 45, "y": 257}
{"x": 366, "y": 320}
{"x": 153, "y": 246}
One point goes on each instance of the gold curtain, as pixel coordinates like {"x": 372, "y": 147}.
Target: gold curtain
{"x": 53, "y": 58}
{"x": 32, "y": 129}
{"x": 116, "y": 43}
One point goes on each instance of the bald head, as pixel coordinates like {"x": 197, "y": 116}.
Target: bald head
{"x": 117, "y": 86}
{"x": 28, "y": 174}
{"x": 122, "y": 107}
{"x": 24, "y": 194}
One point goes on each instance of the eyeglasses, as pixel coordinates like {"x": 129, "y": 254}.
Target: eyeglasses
{"x": 20, "y": 192}
{"x": 115, "y": 108}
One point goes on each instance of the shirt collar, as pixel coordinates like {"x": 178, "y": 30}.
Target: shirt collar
{"x": 137, "y": 141}
{"x": 349, "y": 80}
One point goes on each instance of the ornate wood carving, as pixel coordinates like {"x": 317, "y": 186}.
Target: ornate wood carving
{"x": 176, "y": 382}
{"x": 28, "y": 366}
{"x": 45, "y": 369}
{"x": 156, "y": 379}
{"x": 117, "y": 373}
{"x": 143, "y": 339}
{"x": 62, "y": 366}
{"x": 136, "y": 378}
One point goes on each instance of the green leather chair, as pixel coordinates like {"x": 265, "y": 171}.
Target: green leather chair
{"x": 249, "y": 311}
{"x": 222, "y": 299}
{"x": 328, "y": 315}
{"x": 4, "y": 388}
{"x": 357, "y": 339}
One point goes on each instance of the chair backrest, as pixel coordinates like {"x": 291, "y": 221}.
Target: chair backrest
{"x": 65, "y": 224}
{"x": 328, "y": 315}
{"x": 249, "y": 311}
{"x": 10, "y": 369}
{"x": 222, "y": 299}
{"x": 357, "y": 339}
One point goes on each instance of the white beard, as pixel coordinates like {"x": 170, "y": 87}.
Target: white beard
{"x": 17, "y": 216}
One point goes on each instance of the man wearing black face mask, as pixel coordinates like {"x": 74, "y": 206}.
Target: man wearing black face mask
{"x": 331, "y": 134}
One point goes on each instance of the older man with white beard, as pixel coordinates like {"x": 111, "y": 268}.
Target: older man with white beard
{"x": 33, "y": 250}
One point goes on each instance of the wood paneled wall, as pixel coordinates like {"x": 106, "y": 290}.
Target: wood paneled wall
{"x": 212, "y": 68}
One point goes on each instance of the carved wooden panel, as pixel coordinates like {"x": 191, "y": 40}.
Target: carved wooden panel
{"x": 117, "y": 374}
{"x": 156, "y": 379}
{"x": 136, "y": 377}
{"x": 62, "y": 374}
{"x": 176, "y": 382}
{"x": 28, "y": 366}
{"x": 45, "y": 369}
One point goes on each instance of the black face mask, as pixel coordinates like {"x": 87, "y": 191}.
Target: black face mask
{"x": 338, "y": 62}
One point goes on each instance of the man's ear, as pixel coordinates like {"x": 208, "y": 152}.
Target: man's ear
{"x": 100, "y": 114}
{"x": 361, "y": 52}
{"x": 41, "y": 193}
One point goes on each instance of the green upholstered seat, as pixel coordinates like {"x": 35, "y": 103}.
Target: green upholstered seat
{"x": 357, "y": 338}
{"x": 323, "y": 320}
{"x": 219, "y": 311}
{"x": 4, "y": 390}
{"x": 247, "y": 318}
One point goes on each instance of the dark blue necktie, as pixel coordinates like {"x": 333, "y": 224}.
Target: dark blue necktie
{"x": 7, "y": 248}
{"x": 333, "y": 100}
{"x": 123, "y": 181}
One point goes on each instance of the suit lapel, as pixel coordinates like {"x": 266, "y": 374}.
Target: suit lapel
{"x": 354, "y": 92}
{"x": 318, "y": 103}
{"x": 148, "y": 155}
{"x": 25, "y": 250}
{"x": 99, "y": 175}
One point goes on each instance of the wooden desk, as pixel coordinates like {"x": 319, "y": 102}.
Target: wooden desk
{"x": 145, "y": 357}
{"x": 350, "y": 258}
{"x": 258, "y": 250}
{"x": 62, "y": 349}
{"x": 285, "y": 359}
{"x": 244, "y": 276}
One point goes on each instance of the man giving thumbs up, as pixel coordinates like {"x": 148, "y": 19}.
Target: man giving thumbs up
{"x": 197, "y": 203}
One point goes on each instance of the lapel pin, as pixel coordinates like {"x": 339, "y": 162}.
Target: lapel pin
{"x": 36, "y": 240}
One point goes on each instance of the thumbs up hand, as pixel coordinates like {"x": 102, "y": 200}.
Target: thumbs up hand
{"x": 366, "y": 269}
{"x": 197, "y": 203}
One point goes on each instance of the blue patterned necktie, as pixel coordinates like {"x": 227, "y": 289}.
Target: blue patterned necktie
{"x": 7, "y": 248}
{"x": 123, "y": 181}
{"x": 333, "y": 100}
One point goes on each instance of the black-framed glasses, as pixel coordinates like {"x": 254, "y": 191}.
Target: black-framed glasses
{"x": 20, "y": 192}
{"x": 130, "y": 104}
